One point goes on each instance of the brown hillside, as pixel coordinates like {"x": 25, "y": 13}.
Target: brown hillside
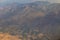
{"x": 6, "y": 36}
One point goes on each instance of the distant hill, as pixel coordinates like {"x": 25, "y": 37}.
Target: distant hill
{"x": 31, "y": 19}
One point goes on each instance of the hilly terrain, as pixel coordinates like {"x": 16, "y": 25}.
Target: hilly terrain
{"x": 38, "y": 20}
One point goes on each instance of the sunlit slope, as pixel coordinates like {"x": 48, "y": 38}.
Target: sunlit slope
{"x": 7, "y": 36}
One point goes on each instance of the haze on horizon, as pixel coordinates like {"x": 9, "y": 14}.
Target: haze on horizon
{"x": 26, "y": 1}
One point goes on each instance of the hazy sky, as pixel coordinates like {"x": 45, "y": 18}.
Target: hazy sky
{"x": 1, "y": 1}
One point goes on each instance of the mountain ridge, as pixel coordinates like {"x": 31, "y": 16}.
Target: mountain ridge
{"x": 31, "y": 19}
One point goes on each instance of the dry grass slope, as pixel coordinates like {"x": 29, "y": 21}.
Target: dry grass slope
{"x": 6, "y": 36}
